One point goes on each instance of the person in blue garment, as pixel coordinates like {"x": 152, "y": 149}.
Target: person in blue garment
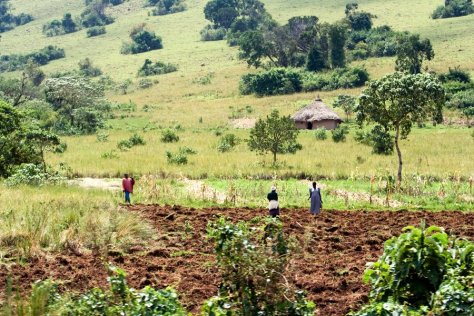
{"x": 316, "y": 200}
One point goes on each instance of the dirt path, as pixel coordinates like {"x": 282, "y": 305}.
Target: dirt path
{"x": 335, "y": 248}
{"x": 97, "y": 183}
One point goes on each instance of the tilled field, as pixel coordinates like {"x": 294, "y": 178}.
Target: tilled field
{"x": 335, "y": 248}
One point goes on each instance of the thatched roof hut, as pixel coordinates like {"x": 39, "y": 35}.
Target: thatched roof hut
{"x": 316, "y": 115}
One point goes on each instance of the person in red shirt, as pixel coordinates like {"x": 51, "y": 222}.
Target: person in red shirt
{"x": 127, "y": 187}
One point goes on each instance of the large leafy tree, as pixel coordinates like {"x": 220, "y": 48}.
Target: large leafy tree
{"x": 397, "y": 101}
{"x": 276, "y": 134}
{"x": 71, "y": 97}
{"x": 411, "y": 52}
{"x": 14, "y": 149}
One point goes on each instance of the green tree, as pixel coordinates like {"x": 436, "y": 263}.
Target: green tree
{"x": 347, "y": 103}
{"x": 337, "y": 43}
{"x": 69, "y": 26}
{"x": 411, "y": 51}
{"x": 397, "y": 101}
{"x": 14, "y": 149}
{"x": 277, "y": 135}
{"x": 221, "y": 12}
{"x": 41, "y": 140}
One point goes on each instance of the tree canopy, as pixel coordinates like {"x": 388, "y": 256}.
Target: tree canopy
{"x": 411, "y": 51}
{"x": 397, "y": 101}
{"x": 276, "y": 134}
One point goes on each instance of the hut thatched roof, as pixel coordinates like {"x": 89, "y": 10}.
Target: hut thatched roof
{"x": 316, "y": 111}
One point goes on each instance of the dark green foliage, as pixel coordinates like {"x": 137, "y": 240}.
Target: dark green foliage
{"x": 18, "y": 91}
{"x": 411, "y": 51}
{"x": 210, "y": 33}
{"x": 96, "y": 31}
{"x": 227, "y": 143}
{"x": 41, "y": 140}
{"x": 288, "y": 80}
{"x": 94, "y": 15}
{"x": 163, "y": 7}
{"x": 337, "y": 42}
{"x": 9, "y": 21}
{"x": 276, "y": 134}
{"x": 381, "y": 140}
{"x": 158, "y": 68}
{"x": 169, "y": 136}
{"x": 320, "y": 134}
{"x": 340, "y": 78}
{"x": 397, "y": 101}
{"x": 252, "y": 263}
{"x": 463, "y": 101}
{"x": 376, "y": 42}
{"x": 78, "y": 103}
{"x": 272, "y": 82}
{"x": 422, "y": 272}
{"x": 120, "y": 299}
{"x": 87, "y": 69}
{"x": 180, "y": 157}
{"x": 142, "y": 41}
{"x": 453, "y": 8}
{"x": 455, "y": 74}
{"x": 339, "y": 134}
{"x": 42, "y": 57}
{"x": 134, "y": 140}
{"x": 315, "y": 60}
{"x": 347, "y": 103}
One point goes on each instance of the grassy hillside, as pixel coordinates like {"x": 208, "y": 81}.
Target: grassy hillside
{"x": 179, "y": 98}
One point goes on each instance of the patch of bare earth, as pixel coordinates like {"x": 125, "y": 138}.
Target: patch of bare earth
{"x": 334, "y": 249}
{"x": 245, "y": 123}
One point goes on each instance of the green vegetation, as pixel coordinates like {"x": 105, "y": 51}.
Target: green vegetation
{"x": 453, "y": 8}
{"x": 96, "y": 31}
{"x": 398, "y": 101}
{"x": 142, "y": 41}
{"x": 422, "y": 272}
{"x": 275, "y": 134}
{"x": 252, "y": 262}
{"x": 56, "y": 27}
{"x": 8, "y": 21}
{"x": 41, "y": 57}
{"x": 158, "y": 68}
{"x": 163, "y": 7}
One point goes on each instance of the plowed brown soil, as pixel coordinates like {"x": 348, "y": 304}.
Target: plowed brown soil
{"x": 335, "y": 247}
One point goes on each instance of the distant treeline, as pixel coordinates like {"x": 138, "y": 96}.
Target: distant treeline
{"x": 453, "y": 8}
{"x": 9, "y": 21}
{"x": 42, "y": 57}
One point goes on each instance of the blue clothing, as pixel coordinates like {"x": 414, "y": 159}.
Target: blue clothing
{"x": 316, "y": 201}
{"x": 127, "y": 197}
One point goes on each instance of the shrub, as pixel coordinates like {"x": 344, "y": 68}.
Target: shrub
{"x": 142, "y": 41}
{"x": 422, "y": 272}
{"x": 227, "y": 143}
{"x": 119, "y": 299}
{"x": 9, "y": 21}
{"x": 42, "y": 57}
{"x": 272, "y": 82}
{"x": 463, "y": 101}
{"x": 169, "y": 136}
{"x": 252, "y": 262}
{"x": 453, "y": 8}
{"x": 209, "y": 33}
{"x": 31, "y": 174}
{"x": 339, "y": 134}
{"x": 339, "y": 78}
{"x": 455, "y": 74}
{"x": 178, "y": 158}
{"x": 145, "y": 83}
{"x": 96, "y": 31}
{"x": 163, "y": 7}
{"x": 102, "y": 137}
{"x": 158, "y": 68}
{"x": 53, "y": 28}
{"x": 134, "y": 140}
{"x": 320, "y": 134}
{"x": 94, "y": 15}
{"x": 87, "y": 69}
{"x": 382, "y": 141}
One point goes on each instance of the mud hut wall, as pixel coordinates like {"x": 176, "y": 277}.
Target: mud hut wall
{"x": 327, "y": 124}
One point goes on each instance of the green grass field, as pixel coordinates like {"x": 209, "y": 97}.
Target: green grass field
{"x": 179, "y": 99}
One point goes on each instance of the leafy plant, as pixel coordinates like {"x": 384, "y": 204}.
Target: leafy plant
{"x": 169, "y": 136}
{"x": 422, "y": 272}
{"x": 227, "y": 143}
{"x": 320, "y": 134}
{"x": 339, "y": 134}
{"x": 35, "y": 175}
{"x": 252, "y": 261}
{"x": 134, "y": 140}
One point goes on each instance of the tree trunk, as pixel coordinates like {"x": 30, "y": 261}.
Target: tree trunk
{"x": 399, "y": 153}
{"x": 42, "y": 159}
{"x": 274, "y": 158}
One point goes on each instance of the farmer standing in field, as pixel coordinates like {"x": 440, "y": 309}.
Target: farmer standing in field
{"x": 273, "y": 206}
{"x": 316, "y": 201}
{"x": 127, "y": 186}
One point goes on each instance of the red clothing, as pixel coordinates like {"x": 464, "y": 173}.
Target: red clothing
{"x": 127, "y": 185}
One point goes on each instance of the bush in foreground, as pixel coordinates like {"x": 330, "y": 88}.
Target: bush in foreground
{"x": 422, "y": 272}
